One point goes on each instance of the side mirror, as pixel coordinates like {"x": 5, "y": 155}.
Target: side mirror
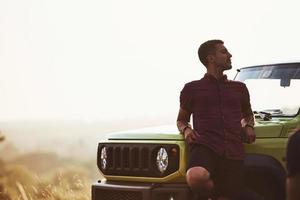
{"x": 285, "y": 82}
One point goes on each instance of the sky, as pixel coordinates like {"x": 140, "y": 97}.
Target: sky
{"x": 109, "y": 60}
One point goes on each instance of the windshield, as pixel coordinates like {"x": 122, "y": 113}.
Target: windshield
{"x": 274, "y": 89}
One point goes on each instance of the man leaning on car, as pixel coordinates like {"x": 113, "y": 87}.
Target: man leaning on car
{"x": 218, "y": 105}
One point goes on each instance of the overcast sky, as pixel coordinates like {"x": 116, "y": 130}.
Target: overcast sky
{"x": 116, "y": 59}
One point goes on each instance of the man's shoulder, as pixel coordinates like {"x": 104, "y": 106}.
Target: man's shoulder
{"x": 293, "y": 152}
{"x": 236, "y": 83}
{"x": 193, "y": 83}
{"x": 294, "y": 141}
{"x": 295, "y": 138}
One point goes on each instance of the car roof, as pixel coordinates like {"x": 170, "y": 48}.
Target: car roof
{"x": 272, "y": 63}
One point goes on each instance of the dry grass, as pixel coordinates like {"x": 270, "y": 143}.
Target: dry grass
{"x": 26, "y": 182}
{"x": 53, "y": 160}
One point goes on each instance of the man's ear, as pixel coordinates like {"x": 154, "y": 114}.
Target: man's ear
{"x": 210, "y": 58}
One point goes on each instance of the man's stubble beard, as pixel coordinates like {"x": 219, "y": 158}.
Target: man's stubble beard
{"x": 226, "y": 67}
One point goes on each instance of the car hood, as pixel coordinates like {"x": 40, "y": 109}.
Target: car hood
{"x": 268, "y": 129}
{"x": 167, "y": 132}
{"x": 145, "y": 136}
{"x": 263, "y": 129}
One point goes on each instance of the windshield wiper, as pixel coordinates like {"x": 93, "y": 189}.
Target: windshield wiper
{"x": 266, "y": 116}
{"x": 274, "y": 112}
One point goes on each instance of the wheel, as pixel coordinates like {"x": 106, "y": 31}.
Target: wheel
{"x": 265, "y": 185}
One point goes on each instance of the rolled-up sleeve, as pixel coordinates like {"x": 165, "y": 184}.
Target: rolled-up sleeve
{"x": 186, "y": 99}
{"x": 246, "y": 106}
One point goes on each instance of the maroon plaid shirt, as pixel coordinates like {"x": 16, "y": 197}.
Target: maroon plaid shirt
{"x": 217, "y": 107}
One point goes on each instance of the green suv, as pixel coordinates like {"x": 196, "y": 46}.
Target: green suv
{"x": 151, "y": 164}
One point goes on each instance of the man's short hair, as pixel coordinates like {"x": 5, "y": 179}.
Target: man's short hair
{"x": 207, "y": 48}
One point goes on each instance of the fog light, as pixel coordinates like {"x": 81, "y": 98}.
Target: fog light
{"x": 103, "y": 158}
{"x": 162, "y": 160}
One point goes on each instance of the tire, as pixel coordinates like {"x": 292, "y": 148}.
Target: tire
{"x": 265, "y": 185}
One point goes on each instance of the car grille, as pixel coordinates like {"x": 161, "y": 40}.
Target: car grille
{"x": 137, "y": 159}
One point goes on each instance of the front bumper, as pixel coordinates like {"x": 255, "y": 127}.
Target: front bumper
{"x": 139, "y": 191}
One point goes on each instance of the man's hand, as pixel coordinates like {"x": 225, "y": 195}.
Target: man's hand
{"x": 184, "y": 127}
{"x": 248, "y": 128}
{"x": 189, "y": 135}
{"x": 250, "y": 134}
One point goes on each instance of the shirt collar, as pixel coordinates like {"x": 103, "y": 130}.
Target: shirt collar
{"x": 212, "y": 78}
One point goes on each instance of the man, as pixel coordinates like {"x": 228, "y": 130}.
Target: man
{"x": 293, "y": 167}
{"x": 220, "y": 109}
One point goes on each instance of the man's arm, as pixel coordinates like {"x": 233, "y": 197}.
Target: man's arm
{"x": 183, "y": 125}
{"x": 248, "y": 117}
{"x": 248, "y": 126}
{"x": 293, "y": 167}
{"x": 293, "y": 187}
{"x": 183, "y": 119}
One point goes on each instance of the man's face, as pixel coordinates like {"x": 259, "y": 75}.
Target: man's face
{"x": 222, "y": 58}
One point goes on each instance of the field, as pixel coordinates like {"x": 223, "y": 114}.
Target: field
{"x": 25, "y": 181}
{"x": 53, "y": 160}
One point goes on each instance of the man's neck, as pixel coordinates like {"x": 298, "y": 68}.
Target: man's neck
{"x": 218, "y": 74}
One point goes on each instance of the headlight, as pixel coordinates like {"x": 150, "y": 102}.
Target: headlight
{"x": 162, "y": 160}
{"x": 103, "y": 158}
